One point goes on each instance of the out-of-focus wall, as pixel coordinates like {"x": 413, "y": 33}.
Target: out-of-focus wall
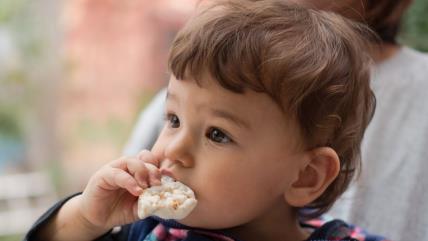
{"x": 116, "y": 53}
{"x": 74, "y": 75}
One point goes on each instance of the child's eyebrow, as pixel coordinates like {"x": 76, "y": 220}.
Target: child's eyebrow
{"x": 226, "y": 115}
{"x": 218, "y": 113}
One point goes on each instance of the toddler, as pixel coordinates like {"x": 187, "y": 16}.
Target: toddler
{"x": 265, "y": 112}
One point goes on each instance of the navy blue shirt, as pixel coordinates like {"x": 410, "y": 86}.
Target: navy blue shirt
{"x": 140, "y": 230}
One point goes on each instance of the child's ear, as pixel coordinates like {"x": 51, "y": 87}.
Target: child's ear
{"x": 321, "y": 167}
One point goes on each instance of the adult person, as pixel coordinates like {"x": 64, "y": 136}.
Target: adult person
{"x": 391, "y": 193}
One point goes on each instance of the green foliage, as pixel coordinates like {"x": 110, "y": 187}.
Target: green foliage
{"x": 9, "y": 9}
{"x": 415, "y": 26}
{"x": 14, "y": 77}
{"x": 17, "y": 91}
{"x": 11, "y": 238}
{"x": 9, "y": 124}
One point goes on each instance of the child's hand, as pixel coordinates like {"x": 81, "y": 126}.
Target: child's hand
{"x": 111, "y": 196}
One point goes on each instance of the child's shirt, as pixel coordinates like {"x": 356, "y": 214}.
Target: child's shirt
{"x": 156, "y": 229}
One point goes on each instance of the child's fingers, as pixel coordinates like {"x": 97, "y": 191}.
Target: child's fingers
{"x": 136, "y": 166}
{"x": 119, "y": 163}
{"x": 154, "y": 174}
{"x": 118, "y": 178}
{"x": 146, "y": 174}
{"x": 148, "y": 157}
{"x": 138, "y": 169}
{"x": 152, "y": 163}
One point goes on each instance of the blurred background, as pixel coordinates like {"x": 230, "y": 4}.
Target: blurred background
{"x": 74, "y": 76}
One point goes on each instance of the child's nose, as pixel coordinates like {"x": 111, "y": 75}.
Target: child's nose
{"x": 179, "y": 149}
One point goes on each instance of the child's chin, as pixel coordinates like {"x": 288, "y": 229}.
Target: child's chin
{"x": 188, "y": 221}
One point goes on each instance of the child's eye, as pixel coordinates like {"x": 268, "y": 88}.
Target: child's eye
{"x": 173, "y": 120}
{"x": 217, "y": 135}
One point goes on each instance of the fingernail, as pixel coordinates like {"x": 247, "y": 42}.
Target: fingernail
{"x": 139, "y": 190}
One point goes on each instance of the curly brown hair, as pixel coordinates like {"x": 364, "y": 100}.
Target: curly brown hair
{"x": 311, "y": 63}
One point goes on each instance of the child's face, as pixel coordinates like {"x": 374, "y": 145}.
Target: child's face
{"x": 238, "y": 152}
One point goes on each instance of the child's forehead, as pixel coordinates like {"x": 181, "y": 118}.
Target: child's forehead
{"x": 210, "y": 89}
{"x": 211, "y": 95}
{"x": 239, "y": 93}
{"x": 203, "y": 82}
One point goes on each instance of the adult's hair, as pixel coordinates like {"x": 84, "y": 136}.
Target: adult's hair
{"x": 384, "y": 17}
{"x": 311, "y": 63}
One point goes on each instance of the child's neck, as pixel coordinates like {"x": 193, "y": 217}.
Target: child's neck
{"x": 279, "y": 223}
